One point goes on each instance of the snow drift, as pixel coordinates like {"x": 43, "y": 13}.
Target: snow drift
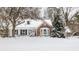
{"x": 39, "y": 43}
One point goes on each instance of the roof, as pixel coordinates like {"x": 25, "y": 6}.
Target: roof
{"x": 33, "y": 23}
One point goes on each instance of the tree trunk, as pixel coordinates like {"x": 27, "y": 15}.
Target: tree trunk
{"x": 13, "y": 31}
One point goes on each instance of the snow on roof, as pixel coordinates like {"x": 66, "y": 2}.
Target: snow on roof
{"x": 33, "y": 23}
{"x": 48, "y": 21}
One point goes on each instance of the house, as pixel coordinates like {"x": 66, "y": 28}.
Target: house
{"x": 68, "y": 31}
{"x": 31, "y": 27}
{"x": 74, "y": 27}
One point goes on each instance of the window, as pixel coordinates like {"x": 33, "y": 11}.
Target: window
{"x": 45, "y": 32}
{"x": 23, "y": 32}
{"x": 16, "y": 32}
{"x": 28, "y": 22}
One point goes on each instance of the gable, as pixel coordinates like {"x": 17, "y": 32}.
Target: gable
{"x": 48, "y": 22}
{"x": 44, "y": 24}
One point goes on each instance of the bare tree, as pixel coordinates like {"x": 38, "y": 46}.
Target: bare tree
{"x": 21, "y": 12}
{"x": 13, "y": 17}
{"x": 30, "y": 12}
{"x": 52, "y": 13}
{"x": 3, "y": 21}
{"x": 66, "y": 11}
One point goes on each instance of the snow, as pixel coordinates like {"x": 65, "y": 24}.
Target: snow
{"x": 48, "y": 21}
{"x": 33, "y": 23}
{"x": 39, "y": 43}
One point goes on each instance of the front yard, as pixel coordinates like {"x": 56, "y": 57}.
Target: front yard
{"x": 39, "y": 43}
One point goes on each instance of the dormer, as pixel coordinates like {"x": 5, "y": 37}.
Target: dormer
{"x": 28, "y": 22}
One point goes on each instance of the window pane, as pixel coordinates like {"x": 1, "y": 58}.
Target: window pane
{"x": 28, "y": 22}
{"x": 45, "y": 32}
{"x": 23, "y": 32}
{"x": 16, "y": 32}
{"x": 26, "y": 32}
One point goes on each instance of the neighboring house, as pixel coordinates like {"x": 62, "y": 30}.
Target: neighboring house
{"x": 68, "y": 31}
{"x": 74, "y": 27}
{"x": 31, "y": 27}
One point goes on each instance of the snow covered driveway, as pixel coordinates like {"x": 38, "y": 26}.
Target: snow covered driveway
{"x": 39, "y": 43}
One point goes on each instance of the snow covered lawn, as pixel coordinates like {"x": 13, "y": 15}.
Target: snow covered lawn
{"x": 39, "y": 43}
